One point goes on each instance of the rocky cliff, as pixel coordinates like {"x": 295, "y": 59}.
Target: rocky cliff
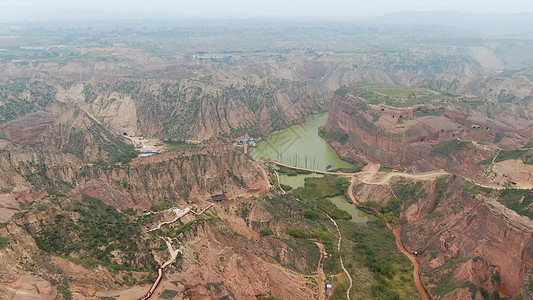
{"x": 421, "y": 133}
{"x": 468, "y": 243}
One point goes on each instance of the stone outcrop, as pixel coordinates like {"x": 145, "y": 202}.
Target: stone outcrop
{"x": 407, "y": 136}
{"x": 465, "y": 242}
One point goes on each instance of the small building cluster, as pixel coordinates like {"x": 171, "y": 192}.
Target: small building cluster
{"x": 250, "y": 142}
{"x": 138, "y": 143}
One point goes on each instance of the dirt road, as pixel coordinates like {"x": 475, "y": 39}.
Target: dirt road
{"x": 321, "y": 276}
{"x": 416, "y": 270}
{"x": 340, "y": 257}
{"x": 369, "y": 178}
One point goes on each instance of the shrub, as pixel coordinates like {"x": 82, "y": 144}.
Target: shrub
{"x": 266, "y": 232}
{"x": 285, "y": 187}
{"x": 298, "y": 233}
{"x": 309, "y": 214}
{"x": 322, "y": 235}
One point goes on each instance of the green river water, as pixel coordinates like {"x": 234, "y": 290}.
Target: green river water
{"x": 300, "y": 146}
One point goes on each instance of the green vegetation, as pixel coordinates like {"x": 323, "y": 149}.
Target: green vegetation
{"x": 518, "y": 200}
{"x": 321, "y": 234}
{"x": 427, "y": 112}
{"x": 266, "y": 232}
{"x": 391, "y": 209}
{"x": 447, "y": 148}
{"x": 406, "y": 191}
{"x": 291, "y": 172}
{"x": 268, "y": 298}
{"x": 285, "y": 187}
{"x": 368, "y": 250}
{"x": 340, "y": 290}
{"x": 498, "y": 138}
{"x": 309, "y": 214}
{"x": 337, "y": 136}
{"x": 525, "y": 155}
{"x": 238, "y": 179}
{"x": 175, "y": 231}
{"x": 506, "y": 97}
{"x": 441, "y": 185}
{"x": 97, "y": 229}
{"x": 65, "y": 292}
{"x": 434, "y": 253}
{"x": 298, "y": 233}
{"x": 13, "y": 101}
{"x": 80, "y": 140}
{"x": 356, "y": 168}
{"x": 317, "y": 190}
{"x": 475, "y": 189}
{"x": 444, "y": 280}
{"x": 3, "y": 242}
{"x": 374, "y": 248}
{"x": 125, "y": 156}
{"x": 168, "y": 294}
{"x": 162, "y": 206}
{"x": 402, "y": 96}
{"x": 177, "y": 146}
{"x": 384, "y": 169}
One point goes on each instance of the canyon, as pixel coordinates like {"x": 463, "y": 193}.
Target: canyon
{"x": 77, "y": 201}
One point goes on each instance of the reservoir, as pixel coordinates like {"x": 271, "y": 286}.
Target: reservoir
{"x": 301, "y": 146}
{"x": 358, "y": 216}
{"x": 297, "y": 181}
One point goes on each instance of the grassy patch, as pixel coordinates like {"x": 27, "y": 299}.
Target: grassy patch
{"x": 266, "y": 232}
{"x": 97, "y": 230}
{"x": 177, "y": 146}
{"x": 317, "y": 190}
{"x": 298, "y": 233}
{"x": 475, "y": 189}
{"x": 375, "y": 249}
{"x": 498, "y": 138}
{"x": 386, "y": 170}
{"x": 402, "y": 96}
{"x": 3, "y": 242}
{"x": 525, "y": 155}
{"x": 337, "y": 136}
{"x": 518, "y": 200}
{"x": 125, "y": 156}
{"x": 65, "y": 292}
{"x": 447, "y": 148}
{"x": 168, "y": 294}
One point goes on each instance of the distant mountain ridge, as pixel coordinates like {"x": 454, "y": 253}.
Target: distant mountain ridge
{"x": 487, "y": 24}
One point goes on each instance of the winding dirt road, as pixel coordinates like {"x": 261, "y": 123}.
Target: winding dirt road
{"x": 416, "y": 267}
{"x": 340, "y": 257}
{"x": 321, "y": 276}
{"x": 385, "y": 179}
{"x": 369, "y": 177}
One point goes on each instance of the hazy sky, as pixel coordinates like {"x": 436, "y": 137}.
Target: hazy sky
{"x": 44, "y": 9}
